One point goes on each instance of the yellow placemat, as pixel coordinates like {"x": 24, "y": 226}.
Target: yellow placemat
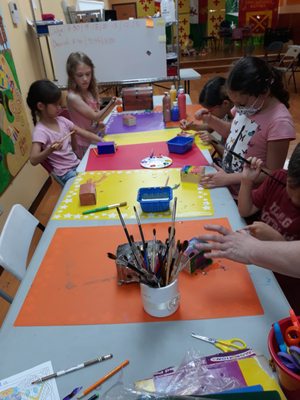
{"x": 151, "y": 136}
{"x": 119, "y": 186}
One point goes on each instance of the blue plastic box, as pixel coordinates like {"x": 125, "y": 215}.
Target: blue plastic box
{"x": 155, "y": 199}
{"x": 180, "y": 144}
{"x": 106, "y": 147}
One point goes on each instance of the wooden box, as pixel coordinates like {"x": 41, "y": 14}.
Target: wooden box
{"x": 87, "y": 194}
{"x": 190, "y": 173}
{"x": 137, "y": 98}
{"x": 129, "y": 120}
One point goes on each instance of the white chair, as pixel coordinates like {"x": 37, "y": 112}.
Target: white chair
{"x": 15, "y": 240}
{"x": 288, "y": 64}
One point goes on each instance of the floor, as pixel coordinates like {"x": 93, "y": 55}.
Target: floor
{"x": 43, "y": 212}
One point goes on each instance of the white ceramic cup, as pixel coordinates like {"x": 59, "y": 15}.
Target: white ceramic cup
{"x": 160, "y": 302}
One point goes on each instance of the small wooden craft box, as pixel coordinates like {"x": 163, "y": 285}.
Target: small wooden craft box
{"x": 137, "y": 98}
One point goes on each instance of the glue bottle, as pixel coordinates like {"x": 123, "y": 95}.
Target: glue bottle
{"x": 182, "y": 104}
{"x": 166, "y": 105}
{"x": 173, "y": 94}
{"x": 175, "y": 112}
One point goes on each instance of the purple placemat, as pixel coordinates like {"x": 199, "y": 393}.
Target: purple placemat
{"x": 145, "y": 121}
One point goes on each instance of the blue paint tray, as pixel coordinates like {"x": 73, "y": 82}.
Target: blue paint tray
{"x": 155, "y": 199}
{"x": 180, "y": 144}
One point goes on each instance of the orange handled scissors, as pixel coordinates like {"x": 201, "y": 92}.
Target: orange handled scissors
{"x": 292, "y": 333}
{"x": 224, "y": 345}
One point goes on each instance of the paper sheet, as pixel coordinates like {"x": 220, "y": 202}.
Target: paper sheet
{"x": 19, "y": 386}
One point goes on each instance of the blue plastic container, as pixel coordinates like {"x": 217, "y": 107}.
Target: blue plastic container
{"x": 155, "y": 199}
{"x": 180, "y": 144}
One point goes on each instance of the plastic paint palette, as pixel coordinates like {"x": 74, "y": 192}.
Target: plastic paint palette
{"x": 156, "y": 162}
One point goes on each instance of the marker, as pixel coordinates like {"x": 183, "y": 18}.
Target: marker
{"x": 79, "y": 366}
{"x": 105, "y": 208}
{"x": 94, "y": 397}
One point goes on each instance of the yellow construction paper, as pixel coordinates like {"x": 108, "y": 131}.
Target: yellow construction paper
{"x": 162, "y": 135}
{"x": 120, "y": 186}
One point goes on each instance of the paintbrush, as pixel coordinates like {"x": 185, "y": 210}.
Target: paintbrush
{"x": 104, "y": 208}
{"x": 171, "y": 238}
{"x": 67, "y": 135}
{"x": 142, "y": 237}
{"x": 249, "y": 163}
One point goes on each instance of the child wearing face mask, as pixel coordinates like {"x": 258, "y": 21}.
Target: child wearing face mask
{"x": 262, "y": 126}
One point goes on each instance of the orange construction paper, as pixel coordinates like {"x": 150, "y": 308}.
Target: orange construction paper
{"x": 76, "y": 282}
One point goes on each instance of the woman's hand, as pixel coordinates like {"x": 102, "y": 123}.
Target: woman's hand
{"x": 236, "y": 246}
{"x": 262, "y": 231}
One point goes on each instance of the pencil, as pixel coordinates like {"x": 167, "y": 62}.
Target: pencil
{"x": 103, "y": 379}
{"x": 104, "y": 208}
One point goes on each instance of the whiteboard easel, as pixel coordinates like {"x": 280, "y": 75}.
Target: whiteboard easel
{"x": 120, "y": 50}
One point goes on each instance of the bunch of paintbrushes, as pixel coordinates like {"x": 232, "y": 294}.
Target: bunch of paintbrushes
{"x": 156, "y": 264}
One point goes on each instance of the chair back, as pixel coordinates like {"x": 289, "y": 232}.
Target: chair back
{"x": 15, "y": 240}
{"x": 237, "y": 34}
{"x": 289, "y": 59}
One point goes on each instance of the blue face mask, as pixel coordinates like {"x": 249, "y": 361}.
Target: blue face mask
{"x": 249, "y": 110}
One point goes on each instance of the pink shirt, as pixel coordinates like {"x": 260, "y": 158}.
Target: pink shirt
{"x": 62, "y": 160}
{"x": 249, "y": 136}
{"x": 277, "y": 210}
{"x": 84, "y": 122}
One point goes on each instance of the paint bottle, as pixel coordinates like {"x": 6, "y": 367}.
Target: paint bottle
{"x": 166, "y": 106}
{"x": 173, "y": 94}
{"x": 175, "y": 112}
{"x": 182, "y": 104}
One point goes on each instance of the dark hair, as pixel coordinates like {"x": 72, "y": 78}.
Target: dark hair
{"x": 294, "y": 168}
{"x": 213, "y": 92}
{"x": 73, "y": 61}
{"x": 42, "y": 91}
{"x": 254, "y": 76}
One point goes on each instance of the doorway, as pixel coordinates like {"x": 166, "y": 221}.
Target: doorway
{"x": 125, "y": 10}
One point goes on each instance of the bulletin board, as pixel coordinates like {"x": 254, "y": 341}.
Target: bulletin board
{"x": 120, "y": 50}
{"x": 15, "y": 137}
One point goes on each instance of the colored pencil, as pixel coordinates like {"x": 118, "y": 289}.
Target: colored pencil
{"x": 103, "y": 379}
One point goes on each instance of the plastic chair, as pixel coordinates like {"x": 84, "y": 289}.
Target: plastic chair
{"x": 288, "y": 64}
{"x": 273, "y": 47}
{"x": 15, "y": 240}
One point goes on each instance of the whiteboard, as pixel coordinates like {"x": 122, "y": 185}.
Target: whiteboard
{"x": 120, "y": 50}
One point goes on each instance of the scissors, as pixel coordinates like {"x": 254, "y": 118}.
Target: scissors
{"x": 279, "y": 338}
{"x": 224, "y": 345}
{"x": 292, "y": 360}
{"x": 292, "y": 333}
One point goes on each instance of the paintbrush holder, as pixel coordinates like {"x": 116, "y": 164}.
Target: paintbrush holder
{"x": 126, "y": 259}
{"x": 160, "y": 302}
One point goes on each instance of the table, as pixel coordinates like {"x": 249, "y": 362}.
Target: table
{"x": 187, "y": 75}
{"x": 149, "y": 346}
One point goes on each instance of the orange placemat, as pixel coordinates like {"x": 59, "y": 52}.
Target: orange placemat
{"x": 76, "y": 283}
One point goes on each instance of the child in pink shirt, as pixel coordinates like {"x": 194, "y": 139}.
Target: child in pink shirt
{"x": 262, "y": 125}
{"x": 52, "y": 135}
{"x": 83, "y": 99}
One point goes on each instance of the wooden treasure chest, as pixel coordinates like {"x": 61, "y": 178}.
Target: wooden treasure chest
{"x": 137, "y": 98}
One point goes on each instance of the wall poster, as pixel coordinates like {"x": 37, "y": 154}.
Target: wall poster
{"x": 15, "y": 136}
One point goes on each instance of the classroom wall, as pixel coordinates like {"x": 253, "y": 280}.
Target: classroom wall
{"x": 24, "y": 46}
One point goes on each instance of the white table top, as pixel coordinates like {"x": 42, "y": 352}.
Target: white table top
{"x": 189, "y": 74}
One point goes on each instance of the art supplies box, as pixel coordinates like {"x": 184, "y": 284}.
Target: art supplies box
{"x": 42, "y": 27}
